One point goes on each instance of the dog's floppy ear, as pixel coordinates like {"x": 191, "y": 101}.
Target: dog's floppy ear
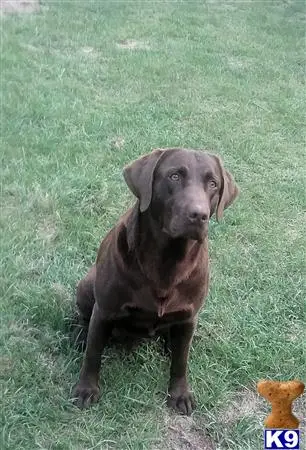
{"x": 229, "y": 189}
{"x": 132, "y": 228}
{"x": 139, "y": 177}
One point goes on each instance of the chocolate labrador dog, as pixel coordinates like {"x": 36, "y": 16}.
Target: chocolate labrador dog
{"x": 151, "y": 273}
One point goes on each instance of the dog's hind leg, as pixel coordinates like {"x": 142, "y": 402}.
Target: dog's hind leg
{"x": 165, "y": 341}
{"x": 85, "y": 301}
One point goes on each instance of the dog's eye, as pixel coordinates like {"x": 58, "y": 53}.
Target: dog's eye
{"x": 174, "y": 177}
{"x": 212, "y": 184}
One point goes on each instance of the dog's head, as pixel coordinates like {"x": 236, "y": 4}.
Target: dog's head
{"x": 182, "y": 188}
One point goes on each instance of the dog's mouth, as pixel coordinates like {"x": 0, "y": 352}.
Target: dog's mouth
{"x": 196, "y": 234}
{"x": 192, "y": 231}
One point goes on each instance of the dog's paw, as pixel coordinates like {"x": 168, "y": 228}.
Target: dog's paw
{"x": 85, "y": 394}
{"x": 181, "y": 400}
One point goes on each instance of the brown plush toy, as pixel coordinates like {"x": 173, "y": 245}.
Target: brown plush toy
{"x": 281, "y": 395}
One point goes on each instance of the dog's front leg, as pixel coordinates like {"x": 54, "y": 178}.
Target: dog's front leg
{"x": 179, "y": 396}
{"x": 87, "y": 389}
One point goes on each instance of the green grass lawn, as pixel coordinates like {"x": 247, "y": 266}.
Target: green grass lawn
{"x": 89, "y": 86}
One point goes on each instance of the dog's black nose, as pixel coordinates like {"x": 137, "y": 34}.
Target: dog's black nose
{"x": 197, "y": 214}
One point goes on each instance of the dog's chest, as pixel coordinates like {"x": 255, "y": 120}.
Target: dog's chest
{"x": 150, "y": 312}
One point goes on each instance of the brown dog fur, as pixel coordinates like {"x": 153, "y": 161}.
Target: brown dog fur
{"x": 151, "y": 274}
